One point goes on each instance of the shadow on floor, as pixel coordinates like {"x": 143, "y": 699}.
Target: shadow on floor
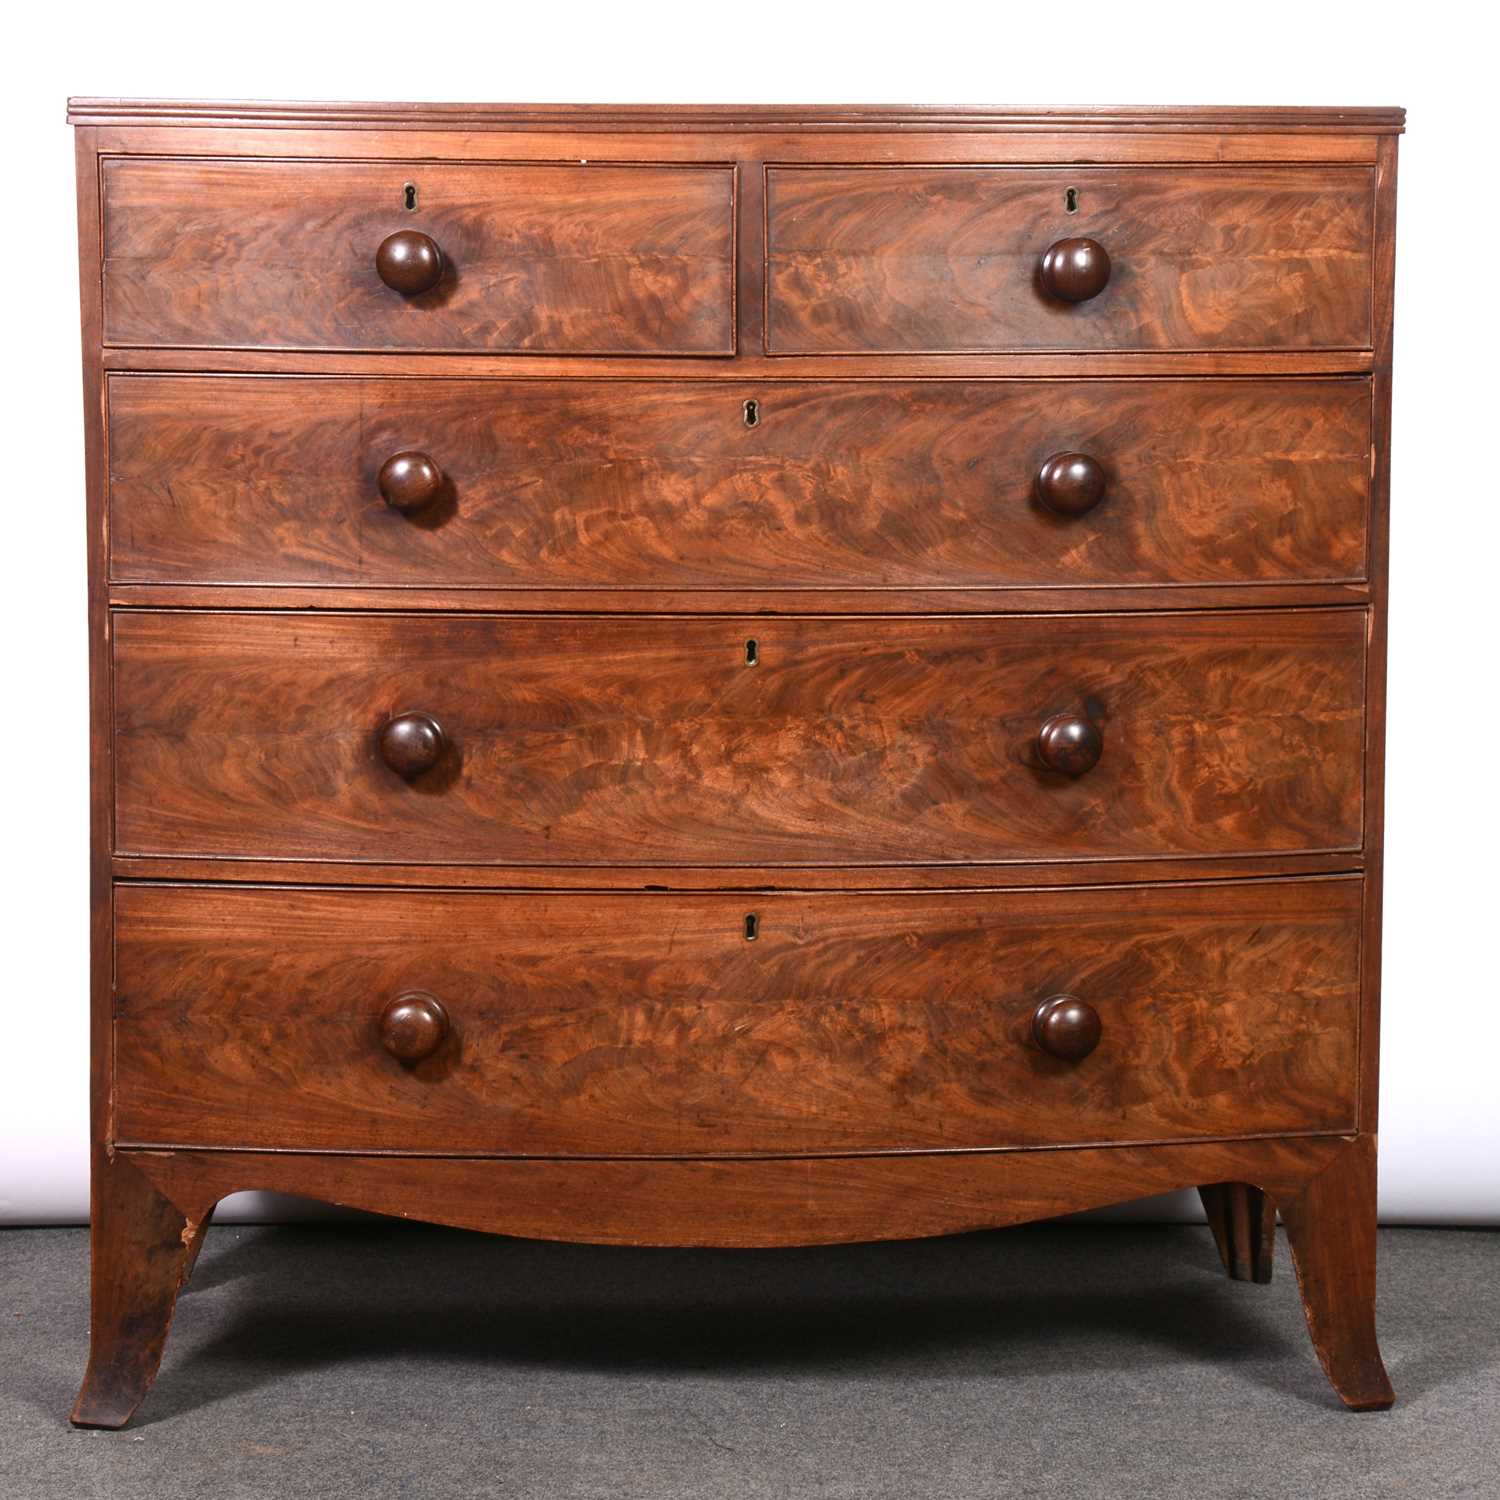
{"x": 1056, "y": 1297}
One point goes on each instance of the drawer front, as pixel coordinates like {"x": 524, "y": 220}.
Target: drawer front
{"x": 938, "y": 259}
{"x": 647, "y": 1024}
{"x": 639, "y": 484}
{"x": 540, "y": 258}
{"x": 597, "y": 740}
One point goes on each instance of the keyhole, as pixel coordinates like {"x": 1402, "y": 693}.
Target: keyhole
{"x": 752, "y": 414}
{"x": 1070, "y": 200}
{"x": 752, "y": 926}
{"x": 752, "y": 654}
{"x": 409, "y": 195}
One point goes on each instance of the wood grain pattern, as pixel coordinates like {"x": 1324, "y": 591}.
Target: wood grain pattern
{"x": 600, "y": 259}
{"x": 635, "y": 1024}
{"x": 600, "y": 740}
{"x": 913, "y": 259}
{"x": 582, "y": 485}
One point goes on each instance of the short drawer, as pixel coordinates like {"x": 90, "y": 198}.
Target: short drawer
{"x": 631, "y": 484}
{"x": 531, "y": 257}
{"x": 868, "y": 260}
{"x": 737, "y": 740}
{"x": 648, "y": 1024}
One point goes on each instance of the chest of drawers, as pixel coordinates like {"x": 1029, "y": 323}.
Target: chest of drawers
{"x": 735, "y": 676}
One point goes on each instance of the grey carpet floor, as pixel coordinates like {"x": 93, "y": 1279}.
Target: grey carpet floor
{"x": 384, "y": 1359}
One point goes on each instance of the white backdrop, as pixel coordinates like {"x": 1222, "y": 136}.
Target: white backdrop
{"x": 1440, "y": 1127}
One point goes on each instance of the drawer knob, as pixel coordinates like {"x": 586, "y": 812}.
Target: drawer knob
{"x": 1066, "y": 1026}
{"x": 413, "y": 1026}
{"x": 409, "y": 481}
{"x": 1075, "y": 270}
{"x": 412, "y": 743}
{"x": 1070, "y": 483}
{"x": 409, "y": 262}
{"x": 1069, "y": 743}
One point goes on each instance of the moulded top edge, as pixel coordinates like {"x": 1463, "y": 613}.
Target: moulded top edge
{"x": 263, "y": 113}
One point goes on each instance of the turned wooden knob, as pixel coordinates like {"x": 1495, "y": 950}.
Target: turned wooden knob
{"x": 409, "y": 262}
{"x": 1069, "y": 743}
{"x": 1075, "y": 270}
{"x": 409, "y": 481}
{"x": 412, "y": 743}
{"x": 413, "y": 1026}
{"x": 1066, "y": 1026}
{"x": 1070, "y": 483}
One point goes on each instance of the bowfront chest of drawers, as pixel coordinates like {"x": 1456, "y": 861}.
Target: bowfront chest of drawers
{"x": 735, "y": 676}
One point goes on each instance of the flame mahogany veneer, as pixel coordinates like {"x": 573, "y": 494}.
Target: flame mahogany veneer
{"x": 735, "y": 676}
{"x": 571, "y": 739}
{"x": 854, "y": 1022}
{"x": 593, "y": 484}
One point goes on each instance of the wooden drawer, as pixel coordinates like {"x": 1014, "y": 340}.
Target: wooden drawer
{"x": 647, "y": 1024}
{"x": 942, "y": 259}
{"x": 585, "y": 484}
{"x": 641, "y": 740}
{"x": 539, "y": 258}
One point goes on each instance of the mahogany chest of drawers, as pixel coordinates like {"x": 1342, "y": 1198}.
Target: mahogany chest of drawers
{"x": 735, "y": 676}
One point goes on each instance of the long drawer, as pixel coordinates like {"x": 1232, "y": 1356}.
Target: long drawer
{"x": 943, "y": 259}
{"x": 630, "y": 484}
{"x": 651, "y": 1024}
{"x": 727, "y": 740}
{"x": 557, "y": 258}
